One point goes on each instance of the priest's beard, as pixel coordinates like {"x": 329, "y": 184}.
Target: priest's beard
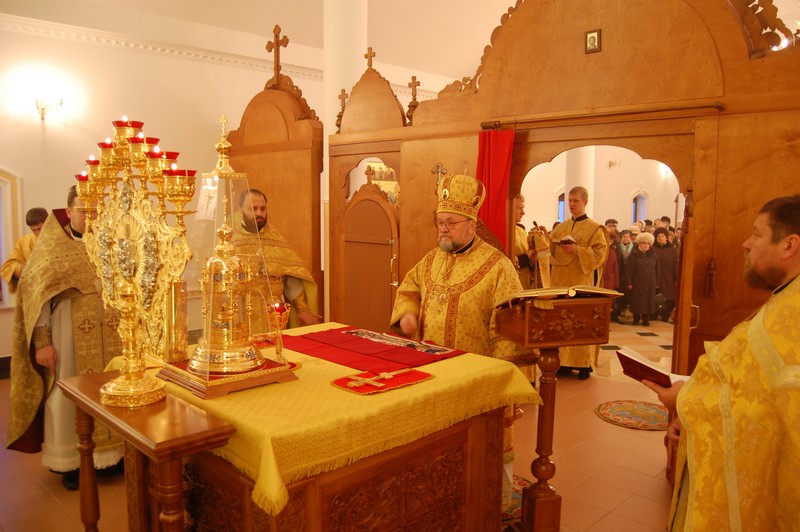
{"x": 254, "y": 225}
{"x": 768, "y": 278}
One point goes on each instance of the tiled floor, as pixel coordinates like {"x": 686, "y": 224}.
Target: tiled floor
{"x": 610, "y": 478}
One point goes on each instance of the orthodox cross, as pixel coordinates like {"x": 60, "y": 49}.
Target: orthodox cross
{"x": 369, "y": 173}
{"x": 342, "y": 97}
{"x": 413, "y": 86}
{"x": 412, "y": 105}
{"x": 368, "y": 56}
{"x": 440, "y": 172}
{"x": 276, "y": 46}
{"x": 223, "y": 121}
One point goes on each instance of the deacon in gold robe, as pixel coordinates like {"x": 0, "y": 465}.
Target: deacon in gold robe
{"x": 286, "y": 279}
{"x": 579, "y": 248}
{"x": 449, "y": 297}
{"x": 12, "y": 267}
{"x": 60, "y": 330}
{"x": 738, "y": 415}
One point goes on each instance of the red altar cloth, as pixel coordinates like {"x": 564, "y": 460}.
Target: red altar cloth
{"x": 341, "y": 347}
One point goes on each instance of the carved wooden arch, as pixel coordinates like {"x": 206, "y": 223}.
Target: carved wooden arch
{"x": 370, "y": 243}
{"x": 372, "y": 105}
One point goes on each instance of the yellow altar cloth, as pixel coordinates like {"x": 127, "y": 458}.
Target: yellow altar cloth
{"x": 293, "y": 430}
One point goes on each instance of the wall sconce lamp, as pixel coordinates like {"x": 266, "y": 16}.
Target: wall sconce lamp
{"x": 614, "y": 162}
{"x": 43, "y": 105}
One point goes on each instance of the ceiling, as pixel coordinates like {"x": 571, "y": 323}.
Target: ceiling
{"x": 440, "y": 37}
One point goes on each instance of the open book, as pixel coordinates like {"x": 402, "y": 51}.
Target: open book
{"x": 553, "y": 292}
{"x": 638, "y": 367}
{"x": 569, "y": 239}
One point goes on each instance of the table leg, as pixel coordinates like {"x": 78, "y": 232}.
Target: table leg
{"x": 170, "y": 494}
{"x": 90, "y": 501}
{"x": 541, "y": 505}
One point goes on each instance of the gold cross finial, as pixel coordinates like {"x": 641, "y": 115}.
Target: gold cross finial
{"x": 413, "y": 86}
{"x": 223, "y": 121}
{"x": 369, "y": 55}
{"x": 276, "y": 46}
{"x": 343, "y": 97}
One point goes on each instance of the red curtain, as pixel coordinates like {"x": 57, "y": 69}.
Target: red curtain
{"x": 494, "y": 168}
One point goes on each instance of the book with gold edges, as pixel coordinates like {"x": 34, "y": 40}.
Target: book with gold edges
{"x": 638, "y": 367}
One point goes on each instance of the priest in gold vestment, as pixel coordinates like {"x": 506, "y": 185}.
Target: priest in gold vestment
{"x": 738, "y": 415}
{"x": 449, "y": 297}
{"x": 12, "y": 267}
{"x": 289, "y": 280}
{"x": 579, "y": 248}
{"x": 60, "y": 330}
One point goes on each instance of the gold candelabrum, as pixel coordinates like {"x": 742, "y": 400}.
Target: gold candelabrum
{"x": 138, "y": 255}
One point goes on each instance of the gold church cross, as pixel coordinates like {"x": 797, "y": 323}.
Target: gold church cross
{"x": 223, "y": 121}
{"x": 276, "y": 46}
{"x": 368, "y": 56}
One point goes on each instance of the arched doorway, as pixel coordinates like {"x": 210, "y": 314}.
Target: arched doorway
{"x": 622, "y": 186}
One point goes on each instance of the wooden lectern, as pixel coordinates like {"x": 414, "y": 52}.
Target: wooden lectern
{"x": 547, "y": 319}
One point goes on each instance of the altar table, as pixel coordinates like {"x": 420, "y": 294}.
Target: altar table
{"x": 310, "y": 456}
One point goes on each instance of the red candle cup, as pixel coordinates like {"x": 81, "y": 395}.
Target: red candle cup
{"x": 135, "y": 124}
{"x": 82, "y": 177}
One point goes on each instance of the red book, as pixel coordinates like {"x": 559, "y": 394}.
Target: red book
{"x": 637, "y": 367}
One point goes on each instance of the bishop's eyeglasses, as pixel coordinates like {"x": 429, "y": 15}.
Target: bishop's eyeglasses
{"x": 449, "y": 224}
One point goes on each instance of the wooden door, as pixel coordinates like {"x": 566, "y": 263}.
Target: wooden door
{"x": 370, "y": 244}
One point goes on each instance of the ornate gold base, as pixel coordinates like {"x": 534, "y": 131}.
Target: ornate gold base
{"x": 234, "y": 359}
{"x": 132, "y": 393}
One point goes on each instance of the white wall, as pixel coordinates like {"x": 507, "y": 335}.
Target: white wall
{"x": 615, "y": 186}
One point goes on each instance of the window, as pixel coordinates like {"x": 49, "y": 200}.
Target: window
{"x": 639, "y": 207}
{"x": 560, "y": 207}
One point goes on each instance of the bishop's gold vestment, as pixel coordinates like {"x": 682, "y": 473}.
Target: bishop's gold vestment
{"x": 454, "y": 295}
{"x": 282, "y": 263}
{"x": 739, "y": 454}
{"x": 60, "y": 281}
{"x": 578, "y": 268}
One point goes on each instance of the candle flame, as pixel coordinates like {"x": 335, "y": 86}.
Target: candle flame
{"x": 108, "y": 140}
{"x": 124, "y": 118}
{"x": 91, "y": 157}
{"x": 140, "y": 135}
{"x": 173, "y": 166}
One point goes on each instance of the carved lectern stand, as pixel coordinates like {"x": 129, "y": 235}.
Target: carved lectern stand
{"x": 547, "y": 323}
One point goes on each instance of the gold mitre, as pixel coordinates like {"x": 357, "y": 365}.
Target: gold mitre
{"x": 460, "y": 194}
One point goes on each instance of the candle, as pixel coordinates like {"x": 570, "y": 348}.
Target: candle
{"x": 136, "y": 140}
{"x": 93, "y": 162}
{"x": 106, "y": 144}
{"x": 128, "y": 123}
{"x": 155, "y": 153}
{"x": 82, "y": 177}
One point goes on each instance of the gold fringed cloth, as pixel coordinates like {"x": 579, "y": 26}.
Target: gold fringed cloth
{"x": 293, "y": 430}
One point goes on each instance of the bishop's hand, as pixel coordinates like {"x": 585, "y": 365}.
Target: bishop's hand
{"x": 46, "y": 357}
{"x": 408, "y": 324}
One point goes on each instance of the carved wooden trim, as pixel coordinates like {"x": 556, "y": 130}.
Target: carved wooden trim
{"x": 763, "y": 26}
